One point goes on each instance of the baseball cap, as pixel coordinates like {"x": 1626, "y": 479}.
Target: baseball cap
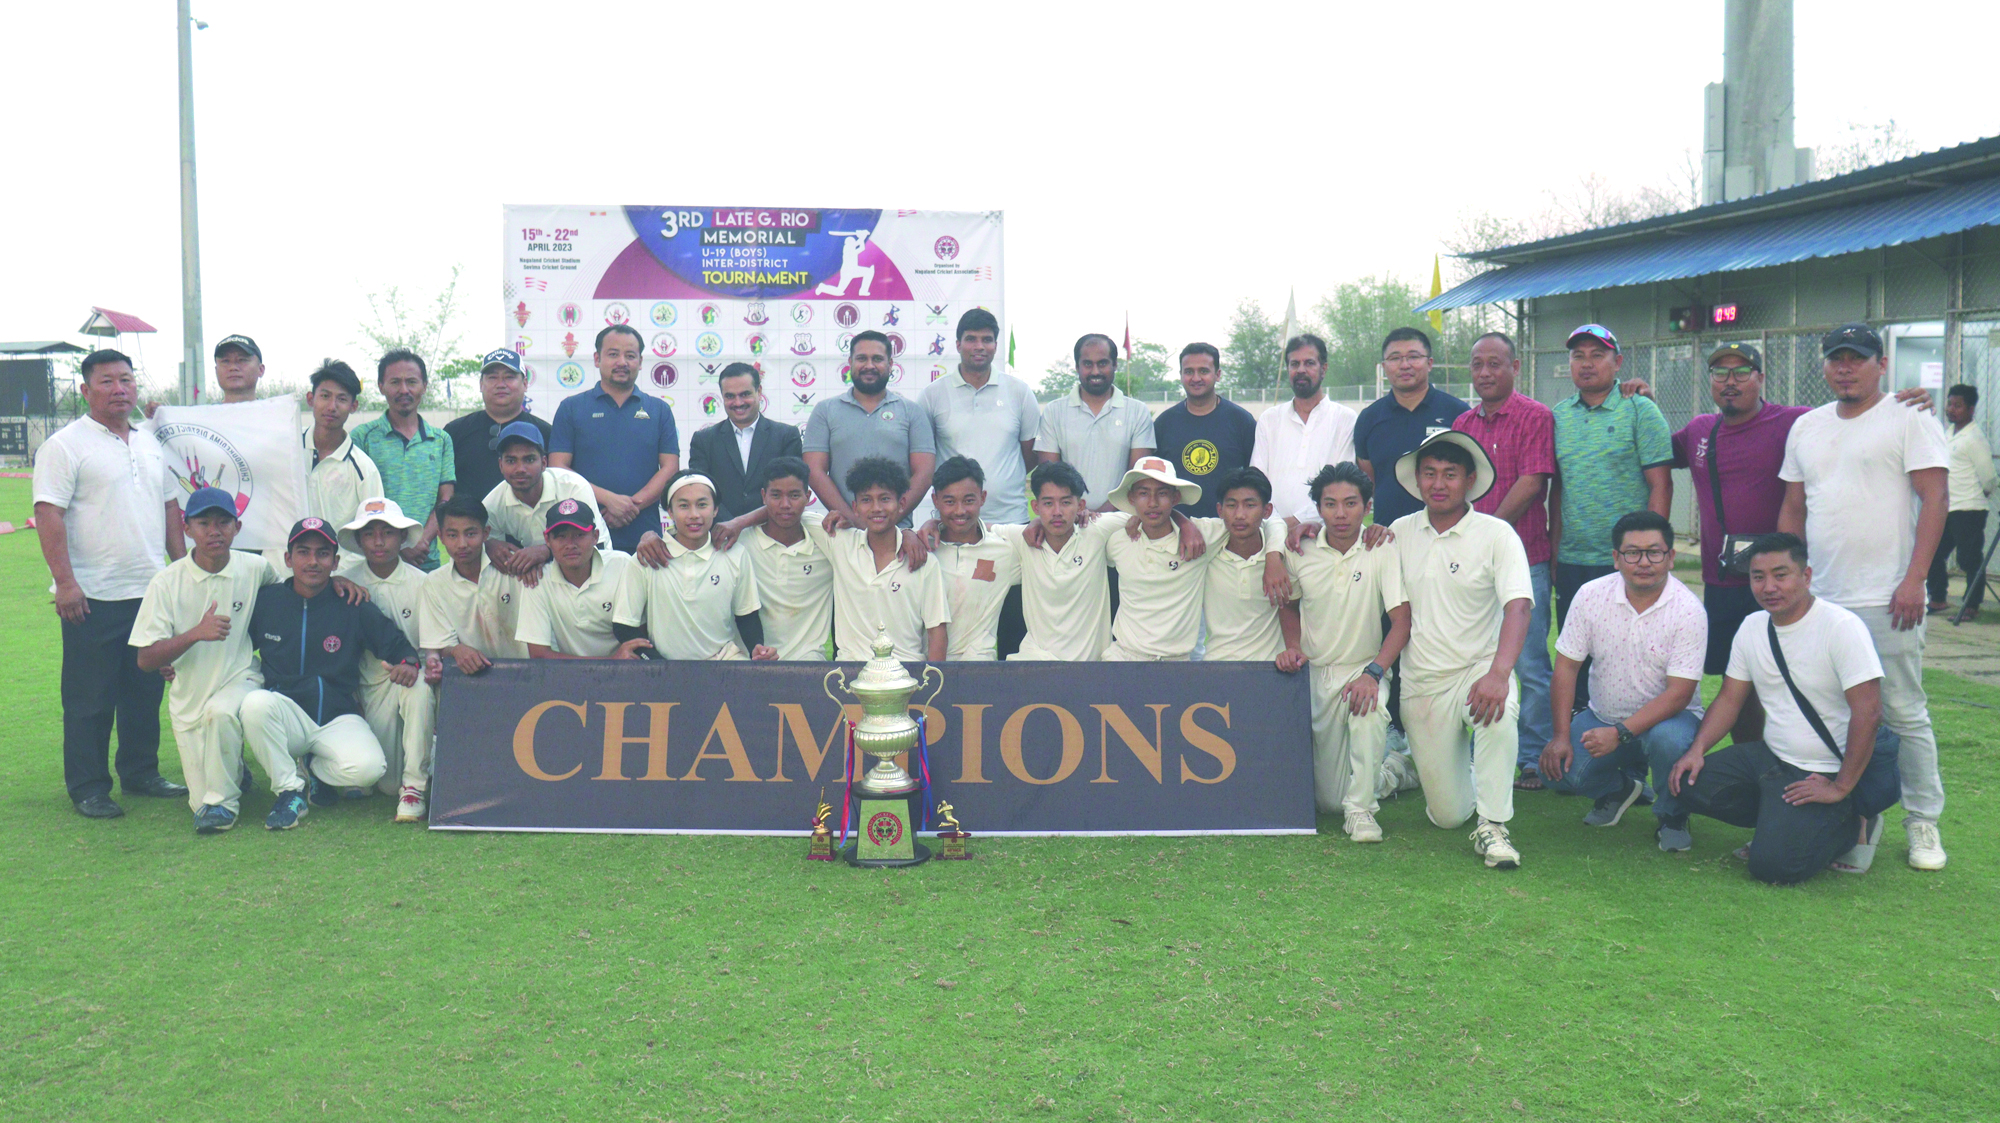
{"x": 309, "y": 526}
{"x": 1858, "y": 338}
{"x": 206, "y": 499}
{"x": 1598, "y": 332}
{"x": 569, "y": 512}
{"x": 241, "y": 343}
{"x": 516, "y": 430}
{"x": 502, "y": 358}
{"x": 1741, "y": 350}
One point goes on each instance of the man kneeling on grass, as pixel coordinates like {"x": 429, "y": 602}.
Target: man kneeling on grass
{"x": 1646, "y": 636}
{"x": 311, "y": 644}
{"x": 1808, "y": 788}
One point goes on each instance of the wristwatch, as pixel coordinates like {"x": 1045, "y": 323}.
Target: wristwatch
{"x": 1374, "y": 671}
{"x": 1625, "y": 736}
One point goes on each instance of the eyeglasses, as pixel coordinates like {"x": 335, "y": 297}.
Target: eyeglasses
{"x": 1732, "y": 374}
{"x": 1400, "y": 358}
{"x": 1635, "y": 556}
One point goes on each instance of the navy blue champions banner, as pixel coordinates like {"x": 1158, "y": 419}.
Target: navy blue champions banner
{"x": 1018, "y": 748}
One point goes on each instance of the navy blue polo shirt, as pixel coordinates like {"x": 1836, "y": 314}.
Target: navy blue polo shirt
{"x": 617, "y": 448}
{"x": 1385, "y": 432}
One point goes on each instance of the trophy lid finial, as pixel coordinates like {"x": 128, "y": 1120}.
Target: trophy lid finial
{"x": 884, "y": 646}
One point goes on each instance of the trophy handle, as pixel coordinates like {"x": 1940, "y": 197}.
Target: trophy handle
{"x": 826, "y": 684}
{"x": 939, "y": 689}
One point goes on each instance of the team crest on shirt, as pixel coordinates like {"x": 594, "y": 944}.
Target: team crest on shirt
{"x": 332, "y": 644}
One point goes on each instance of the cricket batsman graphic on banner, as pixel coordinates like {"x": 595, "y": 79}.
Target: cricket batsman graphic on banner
{"x": 783, "y": 288}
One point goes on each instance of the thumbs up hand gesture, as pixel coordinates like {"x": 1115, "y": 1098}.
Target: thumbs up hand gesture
{"x": 212, "y": 626}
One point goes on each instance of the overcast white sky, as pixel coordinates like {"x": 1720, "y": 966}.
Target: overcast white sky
{"x": 1167, "y": 163}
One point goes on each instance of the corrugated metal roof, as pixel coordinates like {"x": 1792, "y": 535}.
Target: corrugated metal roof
{"x": 103, "y": 321}
{"x": 41, "y": 347}
{"x": 1776, "y": 241}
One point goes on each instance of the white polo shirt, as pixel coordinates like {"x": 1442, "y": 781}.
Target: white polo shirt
{"x": 689, "y": 606}
{"x": 1830, "y": 651}
{"x": 865, "y": 599}
{"x": 1459, "y": 584}
{"x": 1291, "y": 450}
{"x": 574, "y": 619}
{"x": 524, "y": 525}
{"x": 1242, "y": 624}
{"x": 977, "y": 576}
{"x": 1066, "y": 595}
{"x": 1160, "y": 595}
{"x": 987, "y": 424}
{"x": 176, "y": 600}
{"x": 481, "y": 615}
{"x": 400, "y": 597}
{"x": 1099, "y": 445}
{"x": 1343, "y": 596}
{"x": 795, "y": 583}
{"x": 339, "y": 482}
{"x": 114, "y": 494}
{"x": 1633, "y": 654}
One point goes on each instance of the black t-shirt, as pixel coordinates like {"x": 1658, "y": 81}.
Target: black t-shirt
{"x": 1204, "y": 449}
{"x": 473, "y": 455}
{"x": 1386, "y": 431}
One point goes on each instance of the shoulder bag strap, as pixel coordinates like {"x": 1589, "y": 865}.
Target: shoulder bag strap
{"x": 1715, "y": 489}
{"x": 1805, "y": 707}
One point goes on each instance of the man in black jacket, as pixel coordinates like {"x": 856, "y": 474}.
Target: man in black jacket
{"x": 310, "y": 644}
{"x": 733, "y": 452}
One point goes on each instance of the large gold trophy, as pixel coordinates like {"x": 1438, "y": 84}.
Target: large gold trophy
{"x": 889, "y": 799}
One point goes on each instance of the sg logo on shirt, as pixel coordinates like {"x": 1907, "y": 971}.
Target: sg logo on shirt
{"x": 604, "y": 607}
{"x": 895, "y": 586}
{"x": 715, "y": 578}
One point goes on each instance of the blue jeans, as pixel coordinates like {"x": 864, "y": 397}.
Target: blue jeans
{"x": 1658, "y": 749}
{"x": 1533, "y": 672}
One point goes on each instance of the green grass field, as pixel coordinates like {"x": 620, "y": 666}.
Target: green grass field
{"x": 357, "y": 970}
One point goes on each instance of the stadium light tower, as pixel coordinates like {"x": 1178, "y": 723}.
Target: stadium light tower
{"x": 191, "y": 356}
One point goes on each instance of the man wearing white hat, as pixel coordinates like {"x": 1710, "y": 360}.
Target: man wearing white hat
{"x": 1160, "y": 587}
{"x": 1466, "y": 575}
{"x": 403, "y": 718}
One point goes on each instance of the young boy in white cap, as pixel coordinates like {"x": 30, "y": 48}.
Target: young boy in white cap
{"x": 193, "y": 626}
{"x": 403, "y": 717}
{"x": 469, "y": 609}
{"x": 1344, "y": 591}
{"x": 517, "y": 508}
{"x": 690, "y": 608}
{"x": 570, "y": 615}
{"x": 1466, "y": 574}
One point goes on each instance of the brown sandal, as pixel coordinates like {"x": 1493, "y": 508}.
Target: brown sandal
{"x": 1528, "y": 780}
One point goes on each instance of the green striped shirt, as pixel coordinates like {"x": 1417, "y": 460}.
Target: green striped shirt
{"x": 1602, "y": 455}
{"x": 412, "y": 469}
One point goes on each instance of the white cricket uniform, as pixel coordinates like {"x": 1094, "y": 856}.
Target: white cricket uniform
{"x": 211, "y": 678}
{"x": 524, "y": 524}
{"x": 1459, "y": 584}
{"x": 279, "y": 732}
{"x": 906, "y": 604}
{"x": 403, "y": 718}
{"x": 690, "y": 605}
{"x": 575, "y": 619}
{"x": 1343, "y": 596}
{"x": 1066, "y": 594}
{"x": 1242, "y": 625}
{"x": 1160, "y": 595}
{"x": 480, "y": 614}
{"x": 795, "y": 583}
{"x": 977, "y": 576}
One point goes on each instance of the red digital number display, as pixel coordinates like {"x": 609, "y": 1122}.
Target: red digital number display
{"x": 1724, "y": 314}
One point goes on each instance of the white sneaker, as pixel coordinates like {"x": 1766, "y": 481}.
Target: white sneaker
{"x": 1362, "y": 827}
{"x": 1490, "y": 841}
{"x": 410, "y": 806}
{"x": 1926, "y": 847}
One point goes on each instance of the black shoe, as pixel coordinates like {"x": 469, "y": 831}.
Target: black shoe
{"x": 157, "y": 786}
{"x": 99, "y": 807}
{"x": 245, "y": 781}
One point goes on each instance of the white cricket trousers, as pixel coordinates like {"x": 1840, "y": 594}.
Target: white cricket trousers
{"x": 1441, "y": 733}
{"x": 212, "y": 749}
{"x": 344, "y": 751}
{"x": 1347, "y": 750}
{"x": 1907, "y": 710}
{"x": 403, "y": 718}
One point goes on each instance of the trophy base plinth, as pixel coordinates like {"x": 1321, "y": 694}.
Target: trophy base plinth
{"x": 920, "y": 855}
{"x": 819, "y": 850}
{"x": 951, "y": 846}
{"x": 886, "y": 831}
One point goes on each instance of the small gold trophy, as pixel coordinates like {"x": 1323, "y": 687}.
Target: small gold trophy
{"x": 951, "y": 840}
{"x": 820, "y": 849}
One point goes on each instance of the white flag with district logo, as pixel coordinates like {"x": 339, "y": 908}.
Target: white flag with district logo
{"x": 250, "y": 450}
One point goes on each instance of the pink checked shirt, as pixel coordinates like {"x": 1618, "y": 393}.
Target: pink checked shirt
{"x": 1633, "y": 654}
{"x": 1520, "y": 439}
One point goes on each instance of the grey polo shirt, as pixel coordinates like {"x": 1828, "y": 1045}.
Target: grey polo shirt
{"x": 1099, "y": 445}
{"x": 988, "y": 424}
{"x": 846, "y": 432}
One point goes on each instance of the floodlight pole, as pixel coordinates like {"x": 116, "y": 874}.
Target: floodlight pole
{"x": 191, "y": 349}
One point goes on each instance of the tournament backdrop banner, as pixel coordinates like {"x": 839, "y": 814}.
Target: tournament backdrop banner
{"x": 781, "y": 287}
{"x": 1018, "y": 748}
{"x": 250, "y": 450}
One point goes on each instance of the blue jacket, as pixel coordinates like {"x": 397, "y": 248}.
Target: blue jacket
{"x": 312, "y": 649}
